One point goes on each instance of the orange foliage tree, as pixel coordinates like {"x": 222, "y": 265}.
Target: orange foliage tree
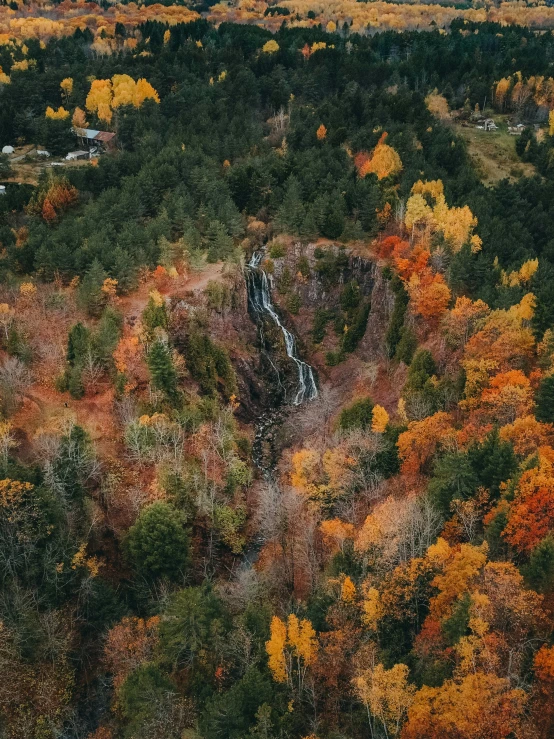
{"x": 475, "y": 706}
{"x": 418, "y": 444}
{"x": 531, "y": 515}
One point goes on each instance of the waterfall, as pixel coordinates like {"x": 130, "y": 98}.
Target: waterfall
{"x": 259, "y": 300}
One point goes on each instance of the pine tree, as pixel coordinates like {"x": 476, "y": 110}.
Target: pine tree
{"x": 539, "y": 572}
{"x": 157, "y": 544}
{"x": 107, "y": 336}
{"x": 291, "y": 214}
{"x": 74, "y": 382}
{"x": 91, "y": 296}
{"x": 78, "y": 342}
{"x": 162, "y": 370}
{"x": 124, "y": 270}
{"x": 220, "y": 244}
{"x": 545, "y": 400}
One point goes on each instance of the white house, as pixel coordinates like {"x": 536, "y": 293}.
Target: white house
{"x": 2, "y": 189}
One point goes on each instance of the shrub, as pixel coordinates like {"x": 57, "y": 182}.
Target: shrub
{"x": 357, "y": 415}
{"x": 277, "y": 250}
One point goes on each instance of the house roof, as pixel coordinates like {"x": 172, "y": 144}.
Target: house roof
{"x": 93, "y": 135}
{"x": 104, "y": 136}
{"x": 86, "y": 133}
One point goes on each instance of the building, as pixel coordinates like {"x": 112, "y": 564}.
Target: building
{"x": 516, "y": 130}
{"x": 486, "y": 124}
{"x": 8, "y": 150}
{"x": 2, "y": 190}
{"x": 73, "y": 156}
{"x": 98, "y": 140}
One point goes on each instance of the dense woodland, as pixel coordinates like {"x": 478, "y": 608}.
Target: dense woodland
{"x": 391, "y": 572}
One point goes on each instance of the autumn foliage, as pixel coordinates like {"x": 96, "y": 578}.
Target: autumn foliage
{"x": 106, "y": 96}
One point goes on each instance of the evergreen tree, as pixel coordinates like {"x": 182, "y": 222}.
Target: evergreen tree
{"x": 233, "y": 714}
{"x": 155, "y": 315}
{"x": 91, "y": 296}
{"x": 157, "y": 544}
{"x": 162, "y": 369}
{"x": 453, "y": 479}
{"x": 539, "y": 572}
{"x": 78, "y": 344}
{"x": 5, "y": 166}
{"x": 358, "y": 415}
{"x": 545, "y": 400}
{"x": 291, "y": 214}
{"x": 78, "y": 348}
{"x": 493, "y": 462}
{"x": 220, "y": 244}
{"x": 194, "y": 628}
{"x": 107, "y": 336}
{"x": 422, "y": 368}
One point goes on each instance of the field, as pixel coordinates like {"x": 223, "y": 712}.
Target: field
{"x": 27, "y": 166}
{"x": 493, "y": 152}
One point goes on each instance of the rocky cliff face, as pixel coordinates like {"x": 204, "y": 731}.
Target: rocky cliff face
{"x": 309, "y": 279}
{"x": 318, "y": 290}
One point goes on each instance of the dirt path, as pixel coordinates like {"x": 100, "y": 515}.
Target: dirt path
{"x": 133, "y": 305}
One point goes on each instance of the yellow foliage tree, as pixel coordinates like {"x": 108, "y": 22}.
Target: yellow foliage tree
{"x": 336, "y": 532}
{"x": 372, "y": 607}
{"x": 387, "y": 696}
{"x": 476, "y": 706}
{"x": 105, "y": 96}
{"x": 275, "y": 649}
{"x": 270, "y": 47}
{"x": 57, "y": 115}
{"x": 67, "y": 86}
{"x": 347, "y": 591}
{"x": 437, "y": 105}
{"x": 384, "y": 162}
{"x": 79, "y": 119}
{"x": 427, "y": 206}
{"x": 12, "y": 491}
{"x": 380, "y": 419}
{"x": 291, "y": 649}
{"x": 418, "y": 211}
{"x": 99, "y": 99}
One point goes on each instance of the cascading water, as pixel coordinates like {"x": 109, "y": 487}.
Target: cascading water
{"x": 259, "y": 299}
{"x": 266, "y": 445}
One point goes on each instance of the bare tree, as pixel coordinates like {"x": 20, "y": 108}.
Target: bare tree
{"x": 15, "y": 379}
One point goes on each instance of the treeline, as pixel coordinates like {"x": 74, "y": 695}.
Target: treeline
{"x": 235, "y": 135}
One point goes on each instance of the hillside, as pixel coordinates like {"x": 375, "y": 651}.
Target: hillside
{"x": 276, "y": 372}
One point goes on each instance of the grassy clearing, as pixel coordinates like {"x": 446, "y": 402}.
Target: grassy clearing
{"x": 493, "y": 152}
{"x": 27, "y": 166}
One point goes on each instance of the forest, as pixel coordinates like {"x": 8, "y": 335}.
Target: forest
{"x": 276, "y": 373}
